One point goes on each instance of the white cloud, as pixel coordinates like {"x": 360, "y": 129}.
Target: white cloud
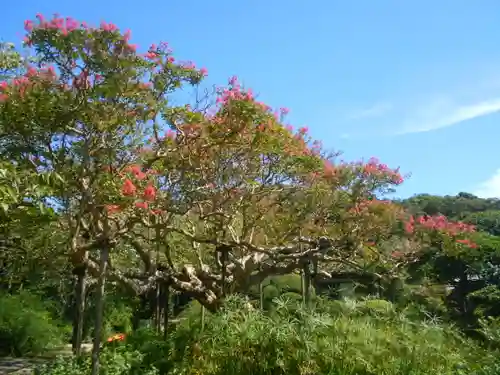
{"x": 443, "y": 113}
{"x": 490, "y": 188}
{"x": 375, "y": 110}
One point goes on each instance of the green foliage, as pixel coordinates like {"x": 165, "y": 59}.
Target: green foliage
{"x": 451, "y": 206}
{"x": 115, "y": 360}
{"x": 319, "y": 343}
{"x": 484, "y": 213}
{"x": 377, "y": 307}
{"x": 285, "y": 286}
{"x": 10, "y": 59}
{"x": 26, "y": 325}
{"x": 486, "y": 221}
{"x": 117, "y": 314}
{"x": 191, "y": 312}
{"x": 85, "y": 121}
{"x": 490, "y": 329}
{"x": 339, "y": 337}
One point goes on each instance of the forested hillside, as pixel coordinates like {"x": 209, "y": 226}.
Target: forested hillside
{"x": 484, "y": 213}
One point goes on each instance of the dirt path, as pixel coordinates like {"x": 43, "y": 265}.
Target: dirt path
{"x": 25, "y": 366}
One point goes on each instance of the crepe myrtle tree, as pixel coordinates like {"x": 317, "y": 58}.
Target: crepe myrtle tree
{"x": 239, "y": 196}
{"x": 84, "y": 108}
{"x": 429, "y": 236}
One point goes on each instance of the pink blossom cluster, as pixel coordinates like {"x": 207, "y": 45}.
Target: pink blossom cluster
{"x": 366, "y": 204}
{"x": 65, "y": 26}
{"x": 233, "y": 92}
{"x": 442, "y": 224}
{"x": 21, "y": 84}
{"x": 156, "y": 54}
{"x": 132, "y": 177}
{"x": 374, "y": 168}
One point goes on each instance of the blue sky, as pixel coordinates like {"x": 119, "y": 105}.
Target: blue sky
{"x": 415, "y": 83}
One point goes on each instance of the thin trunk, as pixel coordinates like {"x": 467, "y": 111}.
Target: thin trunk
{"x": 101, "y": 282}
{"x": 462, "y": 287}
{"x": 306, "y": 284}
{"x": 261, "y": 294}
{"x": 202, "y": 318}
{"x": 157, "y": 320}
{"x": 225, "y": 256}
{"x": 166, "y": 311}
{"x": 79, "y": 310}
{"x": 303, "y": 285}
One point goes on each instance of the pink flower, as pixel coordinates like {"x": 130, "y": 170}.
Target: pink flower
{"x": 284, "y": 111}
{"x": 127, "y": 35}
{"x": 71, "y": 24}
{"x": 28, "y": 25}
{"x": 128, "y": 188}
{"x": 108, "y": 26}
{"x": 136, "y": 171}
{"x": 142, "y": 205}
{"x": 233, "y": 80}
{"x": 204, "y": 72}
{"x": 31, "y": 72}
{"x": 112, "y": 208}
{"x": 132, "y": 47}
{"x": 409, "y": 228}
{"x": 149, "y": 193}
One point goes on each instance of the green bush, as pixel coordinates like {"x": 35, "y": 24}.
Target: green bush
{"x": 115, "y": 360}
{"x": 117, "y": 315}
{"x": 377, "y": 307}
{"x": 348, "y": 337}
{"x": 26, "y": 325}
{"x": 284, "y": 286}
{"x": 246, "y": 341}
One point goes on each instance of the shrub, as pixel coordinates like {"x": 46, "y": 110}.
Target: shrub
{"x": 247, "y": 341}
{"x": 377, "y": 306}
{"x": 115, "y": 360}
{"x": 26, "y": 325}
{"x": 117, "y": 317}
{"x": 337, "y": 338}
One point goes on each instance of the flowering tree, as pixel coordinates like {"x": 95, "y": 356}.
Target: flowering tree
{"x": 211, "y": 200}
{"x": 83, "y": 109}
{"x": 251, "y": 198}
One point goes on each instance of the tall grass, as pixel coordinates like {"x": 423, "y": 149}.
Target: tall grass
{"x": 369, "y": 337}
{"x": 366, "y": 337}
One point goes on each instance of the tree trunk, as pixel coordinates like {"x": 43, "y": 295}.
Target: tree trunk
{"x": 79, "y": 309}
{"x": 202, "y": 318}
{"x": 166, "y": 310}
{"x": 261, "y": 295}
{"x": 306, "y": 284}
{"x": 225, "y": 256}
{"x": 99, "y": 310}
{"x": 157, "y": 319}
